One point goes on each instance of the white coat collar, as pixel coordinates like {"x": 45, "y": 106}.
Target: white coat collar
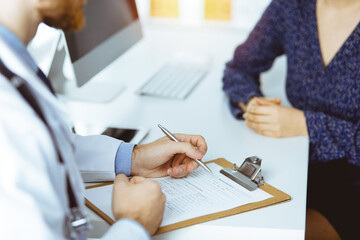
{"x": 16, "y": 64}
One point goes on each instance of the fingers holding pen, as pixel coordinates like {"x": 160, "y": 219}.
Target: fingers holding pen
{"x": 197, "y": 141}
{"x": 183, "y": 164}
{"x": 199, "y": 153}
{"x": 185, "y": 148}
{"x": 183, "y": 169}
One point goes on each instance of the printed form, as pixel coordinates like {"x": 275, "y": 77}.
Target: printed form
{"x": 199, "y": 194}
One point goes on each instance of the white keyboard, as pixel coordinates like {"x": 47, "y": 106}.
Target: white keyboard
{"x": 174, "y": 80}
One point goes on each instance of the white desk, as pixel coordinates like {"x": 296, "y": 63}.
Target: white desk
{"x": 206, "y": 112}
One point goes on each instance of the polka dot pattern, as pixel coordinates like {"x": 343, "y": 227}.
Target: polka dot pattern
{"x": 329, "y": 96}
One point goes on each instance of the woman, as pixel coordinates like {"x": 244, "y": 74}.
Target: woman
{"x": 321, "y": 39}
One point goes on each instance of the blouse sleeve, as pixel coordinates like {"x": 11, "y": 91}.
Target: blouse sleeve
{"x": 256, "y": 55}
{"x": 333, "y": 138}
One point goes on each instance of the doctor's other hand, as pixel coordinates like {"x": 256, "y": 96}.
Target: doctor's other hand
{"x": 274, "y": 120}
{"x": 139, "y": 199}
{"x": 165, "y": 157}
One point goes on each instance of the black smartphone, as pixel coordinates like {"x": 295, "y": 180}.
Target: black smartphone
{"x": 131, "y": 135}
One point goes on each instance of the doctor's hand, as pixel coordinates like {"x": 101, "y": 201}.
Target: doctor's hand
{"x": 139, "y": 199}
{"x": 274, "y": 120}
{"x": 165, "y": 157}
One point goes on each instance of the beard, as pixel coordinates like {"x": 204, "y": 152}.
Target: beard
{"x": 64, "y": 14}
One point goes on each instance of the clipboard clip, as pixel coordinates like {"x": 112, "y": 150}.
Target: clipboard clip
{"x": 248, "y": 174}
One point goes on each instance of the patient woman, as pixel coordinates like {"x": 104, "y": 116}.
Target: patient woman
{"x": 321, "y": 40}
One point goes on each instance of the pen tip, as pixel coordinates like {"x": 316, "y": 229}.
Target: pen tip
{"x": 208, "y": 169}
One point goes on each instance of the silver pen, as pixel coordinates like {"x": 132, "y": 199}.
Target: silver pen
{"x": 172, "y": 137}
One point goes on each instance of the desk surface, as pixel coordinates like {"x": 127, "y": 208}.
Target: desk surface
{"x": 206, "y": 112}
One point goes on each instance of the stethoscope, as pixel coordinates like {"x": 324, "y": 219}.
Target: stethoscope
{"x": 76, "y": 223}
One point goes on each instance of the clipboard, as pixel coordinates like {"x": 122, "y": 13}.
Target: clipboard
{"x": 277, "y": 197}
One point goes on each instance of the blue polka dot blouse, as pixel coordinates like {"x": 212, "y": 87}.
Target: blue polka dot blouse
{"x": 329, "y": 96}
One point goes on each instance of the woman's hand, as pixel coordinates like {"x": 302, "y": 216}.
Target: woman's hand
{"x": 267, "y": 117}
{"x": 254, "y": 101}
{"x": 165, "y": 157}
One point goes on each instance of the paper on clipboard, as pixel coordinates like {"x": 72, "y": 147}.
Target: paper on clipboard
{"x": 197, "y": 198}
{"x": 202, "y": 193}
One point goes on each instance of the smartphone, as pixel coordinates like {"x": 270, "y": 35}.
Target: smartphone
{"x": 131, "y": 135}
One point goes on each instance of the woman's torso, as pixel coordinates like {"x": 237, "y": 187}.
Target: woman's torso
{"x": 334, "y": 89}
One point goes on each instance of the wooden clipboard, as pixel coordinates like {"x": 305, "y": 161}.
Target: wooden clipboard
{"x": 278, "y": 197}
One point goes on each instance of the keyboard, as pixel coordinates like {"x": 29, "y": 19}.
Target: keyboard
{"x": 174, "y": 80}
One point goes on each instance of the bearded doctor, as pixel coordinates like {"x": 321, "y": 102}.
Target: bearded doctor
{"x": 41, "y": 188}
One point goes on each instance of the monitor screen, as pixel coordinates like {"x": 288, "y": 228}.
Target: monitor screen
{"x": 112, "y": 27}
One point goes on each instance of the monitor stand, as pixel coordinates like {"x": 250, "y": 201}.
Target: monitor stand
{"x": 62, "y": 79}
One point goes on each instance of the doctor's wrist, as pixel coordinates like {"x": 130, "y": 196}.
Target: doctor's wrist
{"x": 135, "y": 161}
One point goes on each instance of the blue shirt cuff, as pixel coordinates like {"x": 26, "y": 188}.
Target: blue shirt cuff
{"x": 123, "y": 158}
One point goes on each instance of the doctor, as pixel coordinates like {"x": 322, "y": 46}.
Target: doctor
{"x": 41, "y": 190}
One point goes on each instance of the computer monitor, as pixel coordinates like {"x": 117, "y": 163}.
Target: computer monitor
{"x": 112, "y": 27}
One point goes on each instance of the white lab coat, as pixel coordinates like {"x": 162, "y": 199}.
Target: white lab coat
{"x": 33, "y": 196}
